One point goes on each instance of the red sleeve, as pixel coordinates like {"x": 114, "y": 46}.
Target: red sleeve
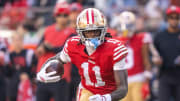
{"x": 68, "y": 49}
{"x": 70, "y": 43}
{"x": 119, "y": 52}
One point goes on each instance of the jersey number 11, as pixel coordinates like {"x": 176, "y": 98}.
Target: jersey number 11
{"x": 96, "y": 69}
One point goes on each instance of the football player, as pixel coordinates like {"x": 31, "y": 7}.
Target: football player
{"x": 137, "y": 61}
{"x": 100, "y": 60}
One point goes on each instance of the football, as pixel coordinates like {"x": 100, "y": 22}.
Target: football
{"x": 57, "y": 66}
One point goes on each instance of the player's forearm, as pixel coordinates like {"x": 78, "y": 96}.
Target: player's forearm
{"x": 122, "y": 85}
{"x": 145, "y": 55}
{"x": 119, "y": 94}
{"x": 147, "y": 65}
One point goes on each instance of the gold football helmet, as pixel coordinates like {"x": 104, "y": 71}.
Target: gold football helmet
{"x": 91, "y": 19}
{"x": 127, "y": 22}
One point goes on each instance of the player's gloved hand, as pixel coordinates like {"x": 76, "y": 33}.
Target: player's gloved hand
{"x": 97, "y": 97}
{"x": 42, "y": 76}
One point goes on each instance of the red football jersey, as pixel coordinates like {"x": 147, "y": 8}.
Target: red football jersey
{"x": 96, "y": 70}
{"x": 134, "y": 59}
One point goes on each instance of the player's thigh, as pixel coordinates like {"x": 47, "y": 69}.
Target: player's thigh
{"x": 137, "y": 91}
{"x": 128, "y": 96}
{"x": 42, "y": 93}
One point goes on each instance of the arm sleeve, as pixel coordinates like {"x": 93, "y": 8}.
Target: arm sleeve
{"x": 64, "y": 57}
{"x": 119, "y": 52}
{"x": 120, "y": 65}
{"x": 64, "y": 54}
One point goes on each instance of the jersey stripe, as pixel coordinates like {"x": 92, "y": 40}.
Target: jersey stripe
{"x": 118, "y": 48}
{"x": 121, "y": 54}
{"x": 122, "y": 49}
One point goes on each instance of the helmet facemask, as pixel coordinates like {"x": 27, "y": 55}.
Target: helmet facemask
{"x": 128, "y": 30}
{"x": 93, "y": 36}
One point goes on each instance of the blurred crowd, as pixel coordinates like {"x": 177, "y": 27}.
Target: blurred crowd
{"x": 31, "y": 31}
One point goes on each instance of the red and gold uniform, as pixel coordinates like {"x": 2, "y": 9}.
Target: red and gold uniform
{"x": 134, "y": 59}
{"x": 96, "y": 70}
{"x": 134, "y": 64}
